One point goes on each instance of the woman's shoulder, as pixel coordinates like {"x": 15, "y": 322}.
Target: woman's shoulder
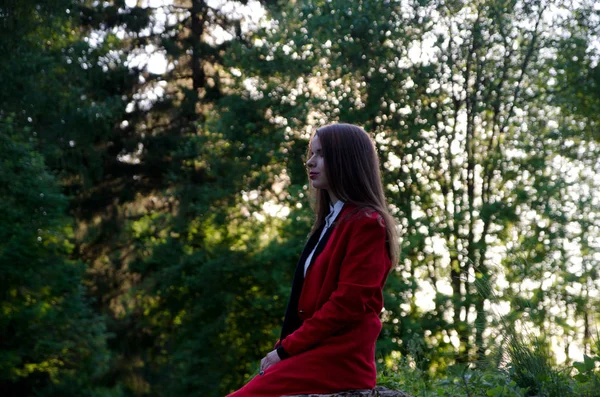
{"x": 353, "y": 214}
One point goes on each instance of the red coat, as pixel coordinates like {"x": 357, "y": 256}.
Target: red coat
{"x": 333, "y": 348}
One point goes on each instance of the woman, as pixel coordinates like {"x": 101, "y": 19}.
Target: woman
{"x": 328, "y": 337}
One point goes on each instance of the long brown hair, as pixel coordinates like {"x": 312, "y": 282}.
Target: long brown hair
{"x": 352, "y": 171}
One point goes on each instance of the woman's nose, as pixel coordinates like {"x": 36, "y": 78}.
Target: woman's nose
{"x": 310, "y": 163}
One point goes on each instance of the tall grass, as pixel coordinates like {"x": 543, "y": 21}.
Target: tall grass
{"x": 530, "y": 366}
{"x": 521, "y": 365}
{"x": 526, "y": 369}
{"x": 525, "y": 358}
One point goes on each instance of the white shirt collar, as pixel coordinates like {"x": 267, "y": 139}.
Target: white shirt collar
{"x": 334, "y": 211}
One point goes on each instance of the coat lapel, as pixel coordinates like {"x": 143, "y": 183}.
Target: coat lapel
{"x": 292, "y": 321}
{"x": 320, "y": 247}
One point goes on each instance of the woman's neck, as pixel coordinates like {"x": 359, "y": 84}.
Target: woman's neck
{"x": 332, "y": 198}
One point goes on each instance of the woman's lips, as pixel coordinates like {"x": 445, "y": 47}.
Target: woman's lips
{"x": 313, "y": 175}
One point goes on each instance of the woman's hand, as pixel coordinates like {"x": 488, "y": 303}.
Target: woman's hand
{"x": 270, "y": 359}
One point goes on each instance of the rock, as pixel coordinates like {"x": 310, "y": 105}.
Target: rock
{"x": 379, "y": 391}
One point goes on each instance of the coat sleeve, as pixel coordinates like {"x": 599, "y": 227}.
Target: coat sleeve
{"x": 358, "y": 292}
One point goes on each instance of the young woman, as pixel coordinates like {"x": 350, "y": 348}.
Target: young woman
{"x": 328, "y": 337}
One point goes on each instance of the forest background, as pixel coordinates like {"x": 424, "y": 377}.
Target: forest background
{"x": 154, "y": 200}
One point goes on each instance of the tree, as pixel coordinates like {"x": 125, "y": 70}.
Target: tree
{"x": 154, "y": 184}
{"x": 51, "y": 340}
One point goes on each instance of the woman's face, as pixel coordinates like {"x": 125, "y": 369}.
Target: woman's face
{"x": 316, "y": 165}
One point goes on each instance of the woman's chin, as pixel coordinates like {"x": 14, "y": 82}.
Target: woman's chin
{"x": 316, "y": 185}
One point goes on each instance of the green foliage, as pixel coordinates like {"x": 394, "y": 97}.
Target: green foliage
{"x": 526, "y": 370}
{"x": 460, "y": 381}
{"x": 51, "y": 342}
{"x": 532, "y": 369}
{"x": 588, "y": 374}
